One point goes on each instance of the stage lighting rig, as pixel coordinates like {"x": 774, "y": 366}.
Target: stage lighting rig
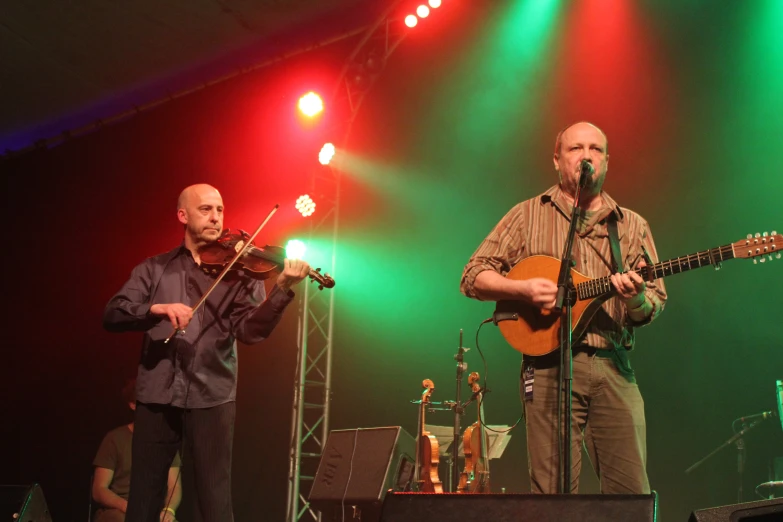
{"x": 326, "y": 154}
{"x": 311, "y": 104}
{"x": 422, "y": 11}
{"x": 305, "y": 205}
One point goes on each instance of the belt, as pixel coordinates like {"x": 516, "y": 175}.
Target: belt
{"x": 591, "y": 350}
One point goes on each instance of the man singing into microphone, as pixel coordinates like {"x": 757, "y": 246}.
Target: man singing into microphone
{"x": 608, "y": 411}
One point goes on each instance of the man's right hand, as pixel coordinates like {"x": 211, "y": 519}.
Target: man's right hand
{"x": 539, "y": 291}
{"x": 179, "y": 314}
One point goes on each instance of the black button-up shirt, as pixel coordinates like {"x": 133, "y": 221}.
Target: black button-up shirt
{"x": 197, "y": 368}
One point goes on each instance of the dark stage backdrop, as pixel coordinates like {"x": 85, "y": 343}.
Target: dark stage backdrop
{"x": 460, "y": 128}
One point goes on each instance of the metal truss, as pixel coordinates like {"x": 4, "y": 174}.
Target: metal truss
{"x": 312, "y": 385}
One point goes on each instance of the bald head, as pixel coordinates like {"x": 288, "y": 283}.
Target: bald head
{"x": 194, "y": 193}
{"x": 559, "y": 139}
{"x": 200, "y": 210}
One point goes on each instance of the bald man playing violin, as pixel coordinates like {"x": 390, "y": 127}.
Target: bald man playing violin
{"x": 186, "y": 388}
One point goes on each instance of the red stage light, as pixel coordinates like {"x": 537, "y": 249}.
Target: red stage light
{"x": 411, "y": 20}
{"x": 423, "y": 11}
{"x": 434, "y": 3}
{"x": 311, "y": 104}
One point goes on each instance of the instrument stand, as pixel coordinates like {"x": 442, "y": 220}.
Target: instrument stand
{"x": 564, "y": 303}
{"x": 459, "y": 410}
{"x": 736, "y": 439}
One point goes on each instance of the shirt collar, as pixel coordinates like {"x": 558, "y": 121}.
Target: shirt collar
{"x": 556, "y": 197}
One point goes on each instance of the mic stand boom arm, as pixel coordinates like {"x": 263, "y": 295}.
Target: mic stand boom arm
{"x": 736, "y": 438}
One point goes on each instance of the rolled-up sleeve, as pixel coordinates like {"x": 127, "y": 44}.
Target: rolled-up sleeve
{"x": 655, "y": 291}
{"x": 499, "y": 251}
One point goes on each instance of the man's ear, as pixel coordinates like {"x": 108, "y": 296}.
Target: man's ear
{"x": 182, "y": 216}
{"x": 555, "y": 159}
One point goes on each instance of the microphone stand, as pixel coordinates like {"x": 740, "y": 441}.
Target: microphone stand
{"x": 459, "y": 410}
{"x": 740, "y": 443}
{"x": 564, "y": 303}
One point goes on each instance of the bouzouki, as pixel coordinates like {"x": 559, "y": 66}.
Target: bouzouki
{"x": 534, "y": 331}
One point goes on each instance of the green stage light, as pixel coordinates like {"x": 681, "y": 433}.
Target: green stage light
{"x": 295, "y": 249}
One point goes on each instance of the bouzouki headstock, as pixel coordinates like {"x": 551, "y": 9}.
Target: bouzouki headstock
{"x": 761, "y": 246}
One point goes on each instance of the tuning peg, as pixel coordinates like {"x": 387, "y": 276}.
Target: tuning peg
{"x": 718, "y": 266}
{"x": 774, "y": 232}
{"x": 755, "y": 261}
{"x": 757, "y": 235}
{"x": 764, "y": 234}
{"x": 750, "y": 236}
{"x": 777, "y": 256}
{"x": 320, "y": 287}
{"x": 762, "y": 259}
{"x": 318, "y": 270}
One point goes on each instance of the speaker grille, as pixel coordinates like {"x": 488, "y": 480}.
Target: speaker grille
{"x": 375, "y": 459}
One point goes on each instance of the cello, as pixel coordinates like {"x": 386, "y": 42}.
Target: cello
{"x": 475, "y": 443}
{"x": 427, "y": 454}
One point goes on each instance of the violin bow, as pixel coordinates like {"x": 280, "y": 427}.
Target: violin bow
{"x": 226, "y": 268}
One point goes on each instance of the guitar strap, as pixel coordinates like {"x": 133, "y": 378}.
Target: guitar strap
{"x": 614, "y": 242}
{"x": 620, "y": 357}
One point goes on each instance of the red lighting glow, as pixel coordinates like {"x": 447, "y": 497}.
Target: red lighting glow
{"x": 411, "y": 20}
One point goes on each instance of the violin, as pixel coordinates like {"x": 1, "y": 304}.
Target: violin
{"x": 258, "y": 263}
{"x": 475, "y": 442}
{"x": 232, "y": 251}
{"x": 428, "y": 451}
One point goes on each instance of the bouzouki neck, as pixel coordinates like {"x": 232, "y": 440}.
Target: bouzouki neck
{"x": 749, "y": 248}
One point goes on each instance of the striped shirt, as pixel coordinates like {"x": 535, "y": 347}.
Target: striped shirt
{"x": 539, "y": 226}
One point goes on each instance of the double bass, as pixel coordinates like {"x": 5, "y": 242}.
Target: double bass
{"x": 427, "y": 448}
{"x": 475, "y": 442}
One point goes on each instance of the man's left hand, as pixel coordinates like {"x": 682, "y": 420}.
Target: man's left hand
{"x": 630, "y": 287}
{"x": 294, "y": 271}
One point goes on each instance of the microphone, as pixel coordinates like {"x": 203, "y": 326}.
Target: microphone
{"x": 586, "y": 170}
{"x": 763, "y": 416}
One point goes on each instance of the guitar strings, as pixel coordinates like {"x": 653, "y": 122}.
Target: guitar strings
{"x": 601, "y": 285}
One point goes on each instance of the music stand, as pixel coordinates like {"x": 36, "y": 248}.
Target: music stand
{"x": 498, "y": 440}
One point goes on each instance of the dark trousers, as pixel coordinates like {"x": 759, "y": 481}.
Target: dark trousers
{"x": 159, "y": 432}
